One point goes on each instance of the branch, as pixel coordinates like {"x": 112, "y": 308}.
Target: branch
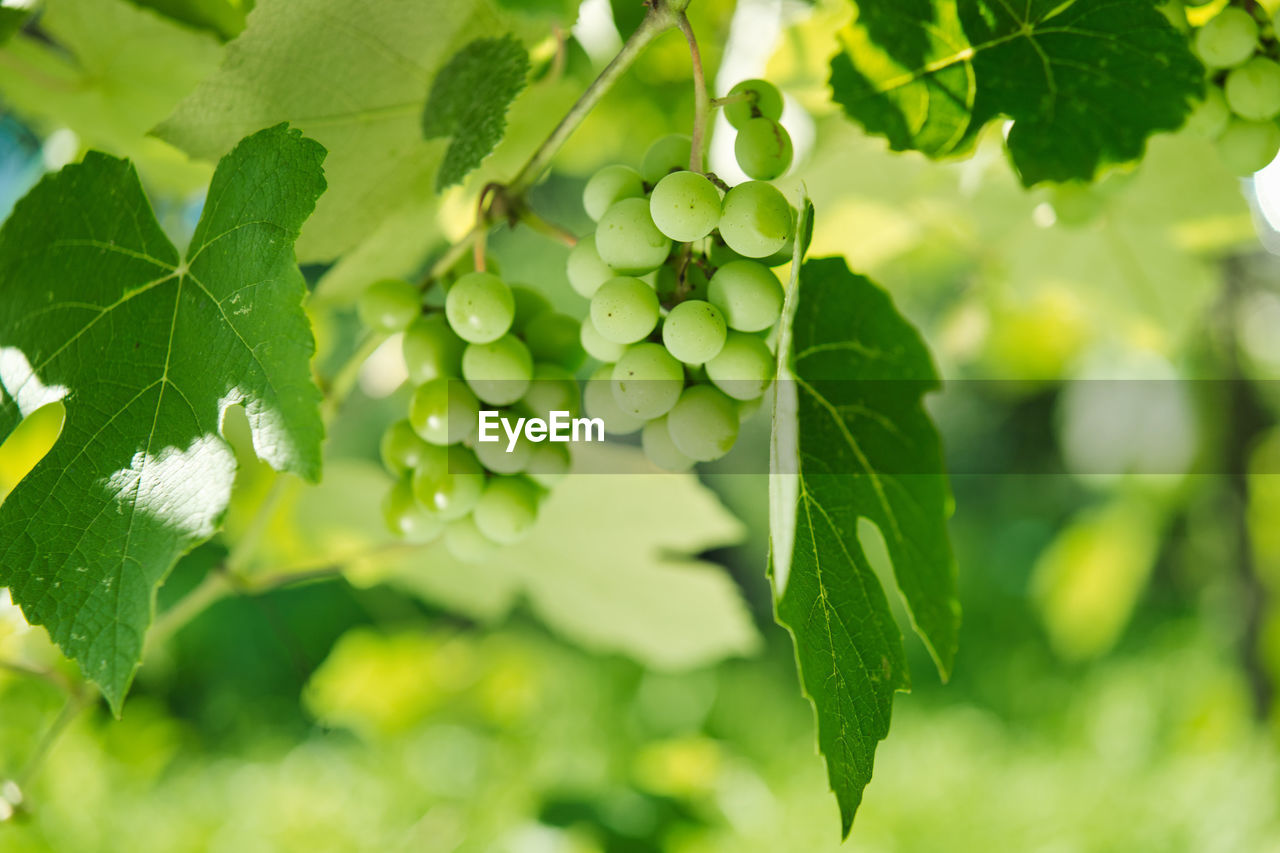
{"x": 701, "y": 102}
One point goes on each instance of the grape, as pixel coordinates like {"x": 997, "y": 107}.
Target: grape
{"x": 389, "y": 305}
{"x": 407, "y": 518}
{"x": 598, "y": 402}
{"x": 402, "y": 449}
{"x": 694, "y": 331}
{"x": 624, "y": 310}
{"x": 585, "y": 269}
{"x": 596, "y": 345}
{"x": 553, "y": 337}
{"x": 444, "y": 411}
{"x": 748, "y": 294}
{"x": 431, "y": 349}
{"x": 463, "y": 539}
{"x": 685, "y": 206}
{"x": 498, "y": 372}
{"x": 506, "y": 511}
{"x": 530, "y": 305}
{"x": 763, "y": 149}
{"x": 748, "y": 408}
{"x": 647, "y": 381}
{"x": 704, "y": 423}
{"x": 1247, "y": 146}
{"x": 1075, "y": 202}
{"x": 756, "y": 220}
{"x": 627, "y": 239}
{"x": 609, "y": 185}
{"x": 665, "y": 156}
{"x": 452, "y": 489}
{"x": 553, "y": 389}
{"x": 744, "y": 367}
{"x": 480, "y": 307}
{"x": 1228, "y": 39}
{"x": 767, "y": 102}
{"x": 661, "y": 450}
{"x": 1253, "y": 89}
{"x": 548, "y": 464}
{"x": 494, "y": 456}
{"x": 719, "y": 252}
{"x": 1211, "y": 115}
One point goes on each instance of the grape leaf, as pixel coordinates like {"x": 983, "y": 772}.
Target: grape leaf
{"x": 12, "y": 19}
{"x": 225, "y": 18}
{"x": 147, "y": 350}
{"x": 1086, "y": 82}
{"x": 469, "y": 101}
{"x": 852, "y": 441}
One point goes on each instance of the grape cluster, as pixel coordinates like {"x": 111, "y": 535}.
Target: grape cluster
{"x": 1242, "y": 100}
{"x": 494, "y": 346}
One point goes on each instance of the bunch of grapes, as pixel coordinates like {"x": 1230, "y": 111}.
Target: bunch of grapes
{"x": 682, "y": 294}
{"x": 491, "y": 346}
{"x": 1239, "y": 48}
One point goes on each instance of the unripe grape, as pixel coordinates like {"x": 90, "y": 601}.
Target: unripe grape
{"x": 463, "y": 540}
{"x": 1253, "y": 89}
{"x": 451, "y": 490}
{"x": 1211, "y": 115}
{"x": 704, "y": 423}
{"x": 597, "y": 345}
{"x": 628, "y": 241}
{"x": 666, "y": 155}
{"x": 661, "y": 450}
{"x": 766, "y": 101}
{"x": 624, "y": 310}
{"x": 444, "y": 411}
{"x": 744, "y": 366}
{"x": 431, "y": 350}
{"x": 598, "y": 402}
{"x": 553, "y": 337}
{"x": 756, "y": 220}
{"x": 498, "y": 372}
{"x": 407, "y": 518}
{"x": 402, "y": 449}
{"x": 585, "y": 269}
{"x": 494, "y": 455}
{"x": 1228, "y": 39}
{"x": 748, "y": 408}
{"x": 694, "y": 331}
{"x": 530, "y": 305}
{"x": 763, "y": 149}
{"x": 507, "y": 510}
{"x": 1075, "y": 202}
{"x": 1247, "y": 146}
{"x": 548, "y": 464}
{"x": 389, "y": 305}
{"x": 748, "y": 294}
{"x": 685, "y": 206}
{"x": 610, "y": 184}
{"x": 647, "y": 381}
{"x": 553, "y": 389}
{"x": 480, "y": 307}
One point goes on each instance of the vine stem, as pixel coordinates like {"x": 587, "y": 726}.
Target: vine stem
{"x": 701, "y": 101}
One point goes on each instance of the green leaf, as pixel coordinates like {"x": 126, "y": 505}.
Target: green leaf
{"x": 147, "y": 350}
{"x": 469, "y": 101}
{"x": 853, "y": 444}
{"x": 12, "y": 19}
{"x": 222, "y": 17}
{"x": 1085, "y": 82}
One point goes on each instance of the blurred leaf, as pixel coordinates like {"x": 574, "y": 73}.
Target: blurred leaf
{"x": 223, "y": 17}
{"x": 627, "y": 15}
{"x": 148, "y": 350}
{"x": 12, "y": 19}
{"x": 1084, "y": 82}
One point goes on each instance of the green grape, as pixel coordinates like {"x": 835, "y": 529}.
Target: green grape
{"x": 765, "y": 100}
{"x": 665, "y": 156}
{"x": 685, "y": 206}
{"x": 402, "y": 449}
{"x": 498, "y": 372}
{"x": 1075, "y": 202}
{"x": 694, "y": 331}
{"x": 1228, "y": 39}
{"x": 463, "y": 540}
{"x": 530, "y": 305}
{"x": 389, "y": 305}
{"x": 431, "y": 350}
{"x": 647, "y": 381}
{"x": 549, "y": 464}
{"x": 596, "y": 345}
{"x": 756, "y": 220}
{"x": 480, "y": 307}
{"x": 748, "y": 294}
{"x": 507, "y": 510}
{"x": 624, "y": 310}
{"x": 553, "y": 337}
{"x": 585, "y": 269}
{"x": 452, "y": 489}
{"x": 628, "y": 241}
{"x": 494, "y": 455}
{"x": 719, "y": 252}
{"x": 1247, "y": 146}
{"x": 744, "y": 367}
{"x": 1210, "y": 116}
{"x": 407, "y": 518}
{"x": 444, "y": 411}
{"x": 748, "y": 408}
{"x": 661, "y": 450}
{"x": 598, "y": 402}
{"x": 553, "y": 389}
{"x": 763, "y": 149}
{"x": 704, "y": 423}
{"x": 610, "y": 184}
{"x": 1253, "y": 89}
